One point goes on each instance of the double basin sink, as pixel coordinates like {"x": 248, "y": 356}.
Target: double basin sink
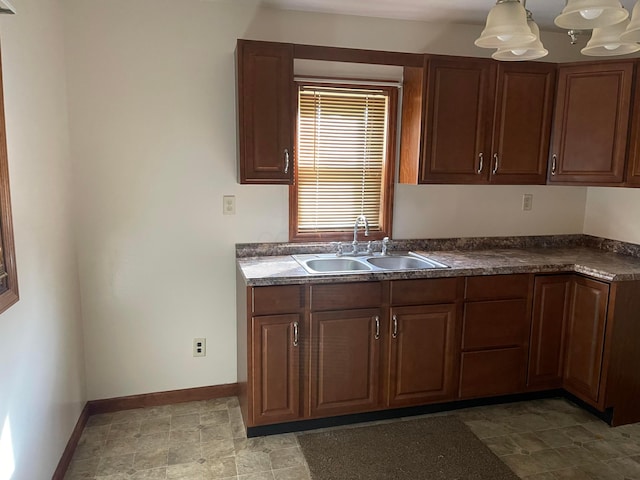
{"x": 330, "y": 263}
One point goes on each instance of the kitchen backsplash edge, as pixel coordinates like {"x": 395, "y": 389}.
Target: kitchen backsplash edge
{"x": 247, "y": 250}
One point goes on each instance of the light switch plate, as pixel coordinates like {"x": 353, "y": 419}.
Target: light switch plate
{"x": 229, "y": 205}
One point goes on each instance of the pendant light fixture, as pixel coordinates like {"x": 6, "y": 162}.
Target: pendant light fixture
{"x": 589, "y": 14}
{"x": 526, "y": 51}
{"x": 613, "y": 32}
{"x": 506, "y": 26}
{"x": 608, "y": 41}
{"x": 632, "y": 33}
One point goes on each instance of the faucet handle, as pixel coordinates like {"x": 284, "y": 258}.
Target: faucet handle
{"x": 338, "y": 245}
{"x": 369, "y": 247}
{"x": 386, "y": 241}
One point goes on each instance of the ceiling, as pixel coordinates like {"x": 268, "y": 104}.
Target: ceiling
{"x": 449, "y": 11}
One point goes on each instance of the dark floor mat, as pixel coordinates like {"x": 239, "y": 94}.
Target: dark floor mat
{"x": 434, "y": 448}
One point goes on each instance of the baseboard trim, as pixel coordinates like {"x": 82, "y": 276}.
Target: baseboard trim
{"x": 162, "y": 398}
{"x": 108, "y": 405}
{"x": 70, "y": 449}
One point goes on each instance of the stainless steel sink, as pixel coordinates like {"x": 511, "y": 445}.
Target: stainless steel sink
{"x": 404, "y": 262}
{"x": 335, "y": 264}
{"x": 330, "y": 263}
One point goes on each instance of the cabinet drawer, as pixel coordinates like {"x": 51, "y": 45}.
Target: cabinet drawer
{"x": 503, "y": 323}
{"x": 422, "y": 292}
{"x": 339, "y": 296}
{"x": 277, "y": 299}
{"x": 497, "y": 287}
{"x": 492, "y": 372}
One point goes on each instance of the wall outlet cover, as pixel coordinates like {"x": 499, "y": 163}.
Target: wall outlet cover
{"x": 199, "y": 347}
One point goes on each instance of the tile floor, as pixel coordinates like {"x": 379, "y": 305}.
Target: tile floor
{"x": 540, "y": 440}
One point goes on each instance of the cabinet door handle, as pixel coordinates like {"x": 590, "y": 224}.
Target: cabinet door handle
{"x": 295, "y": 334}
{"x": 377, "y": 320}
{"x": 496, "y": 159}
{"x": 395, "y": 326}
{"x": 286, "y": 160}
{"x": 480, "y": 163}
{"x": 554, "y": 163}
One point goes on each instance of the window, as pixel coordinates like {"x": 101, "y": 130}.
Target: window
{"x": 344, "y": 161}
{"x": 8, "y": 274}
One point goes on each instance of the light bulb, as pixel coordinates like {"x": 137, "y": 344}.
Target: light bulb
{"x": 519, "y": 51}
{"x": 612, "y": 46}
{"x": 591, "y": 13}
{"x": 505, "y": 38}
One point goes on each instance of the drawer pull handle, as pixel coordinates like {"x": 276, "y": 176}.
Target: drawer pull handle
{"x": 295, "y": 334}
{"x": 377, "y": 320}
{"x": 496, "y": 160}
{"x": 554, "y": 164}
{"x": 480, "y": 163}
{"x": 395, "y": 326}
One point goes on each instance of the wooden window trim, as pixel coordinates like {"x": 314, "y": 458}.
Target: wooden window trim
{"x": 9, "y": 285}
{"x": 386, "y": 220}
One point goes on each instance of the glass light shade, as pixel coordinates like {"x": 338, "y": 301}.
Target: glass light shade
{"x": 632, "y": 33}
{"x": 527, "y": 51}
{"x": 607, "y": 42}
{"x": 589, "y": 14}
{"x": 506, "y": 25}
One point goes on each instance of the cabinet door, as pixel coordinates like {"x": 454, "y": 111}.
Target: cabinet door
{"x": 633, "y": 168}
{"x": 551, "y": 300}
{"x": 422, "y": 355}
{"x": 276, "y": 368}
{"x": 591, "y": 123}
{"x": 486, "y": 373}
{"x": 585, "y": 338}
{"x": 266, "y": 112}
{"x": 460, "y": 96}
{"x": 522, "y": 123}
{"x": 344, "y": 361}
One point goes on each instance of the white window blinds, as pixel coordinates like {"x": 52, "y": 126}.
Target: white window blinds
{"x": 342, "y": 135}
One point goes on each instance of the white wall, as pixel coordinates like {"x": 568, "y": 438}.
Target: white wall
{"x": 42, "y": 387}
{"x": 153, "y": 131}
{"x": 613, "y": 213}
{"x": 442, "y": 211}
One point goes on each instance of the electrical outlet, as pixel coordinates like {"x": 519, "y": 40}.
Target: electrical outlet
{"x": 199, "y": 347}
{"x": 229, "y": 205}
{"x": 527, "y": 202}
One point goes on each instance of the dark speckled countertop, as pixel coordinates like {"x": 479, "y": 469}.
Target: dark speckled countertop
{"x": 599, "y": 260}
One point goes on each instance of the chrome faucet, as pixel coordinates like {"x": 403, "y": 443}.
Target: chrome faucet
{"x": 355, "y": 232}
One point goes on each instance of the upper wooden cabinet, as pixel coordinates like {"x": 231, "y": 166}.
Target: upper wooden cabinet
{"x": 469, "y": 120}
{"x": 266, "y": 112}
{"x": 591, "y": 123}
{"x": 458, "y": 109}
{"x": 522, "y": 123}
{"x": 464, "y": 120}
{"x": 633, "y": 166}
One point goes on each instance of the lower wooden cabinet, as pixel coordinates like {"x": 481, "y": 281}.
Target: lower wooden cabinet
{"x": 568, "y": 336}
{"x": 313, "y": 351}
{"x": 276, "y": 368}
{"x": 423, "y": 355}
{"x": 487, "y": 373}
{"x": 551, "y": 302}
{"x": 495, "y": 335}
{"x": 585, "y": 339}
{"x": 345, "y": 352}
